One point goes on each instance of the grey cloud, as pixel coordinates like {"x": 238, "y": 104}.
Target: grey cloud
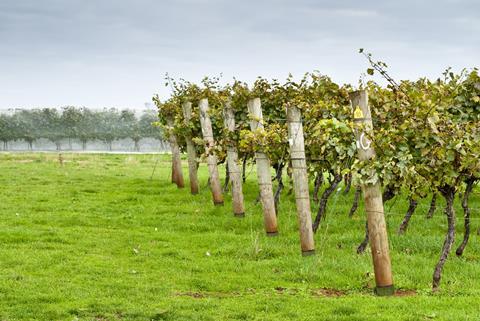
{"x": 115, "y": 51}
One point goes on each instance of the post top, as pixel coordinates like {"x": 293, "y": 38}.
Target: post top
{"x": 203, "y": 105}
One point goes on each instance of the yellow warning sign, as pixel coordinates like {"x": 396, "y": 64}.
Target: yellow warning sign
{"x": 358, "y": 113}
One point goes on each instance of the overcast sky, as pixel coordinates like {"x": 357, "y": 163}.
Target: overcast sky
{"x": 99, "y": 53}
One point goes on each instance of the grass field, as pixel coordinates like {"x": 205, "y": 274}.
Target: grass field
{"x": 96, "y": 239}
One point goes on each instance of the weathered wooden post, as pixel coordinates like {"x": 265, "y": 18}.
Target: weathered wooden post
{"x": 174, "y": 174}
{"x": 300, "y": 179}
{"x": 233, "y": 168}
{"x": 191, "y": 152}
{"x": 177, "y": 175}
{"x": 377, "y": 229}
{"x": 263, "y": 171}
{"x": 207, "y": 133}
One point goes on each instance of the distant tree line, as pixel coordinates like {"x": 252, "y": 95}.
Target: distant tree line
{"x": 74, "y": 123}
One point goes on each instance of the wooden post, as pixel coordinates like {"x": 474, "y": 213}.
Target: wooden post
{"x": 373, "y": 197}
{"x": 300, "y": 179}
{"x": 174, "y": 174}
{"x": 191, "y": 152}
{"x": 232, "y": 161}
{"x": 207, "y": 133}
{"x": 177, "y": 175}
{"x": 263, "y": 171}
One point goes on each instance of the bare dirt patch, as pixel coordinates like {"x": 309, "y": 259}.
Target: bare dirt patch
{"x": 327, "y": 292}
{"x": 402, "y": 292}
{"x": 202, "y": 295}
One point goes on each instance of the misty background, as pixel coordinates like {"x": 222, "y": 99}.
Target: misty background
{"x": 115, "y": 53}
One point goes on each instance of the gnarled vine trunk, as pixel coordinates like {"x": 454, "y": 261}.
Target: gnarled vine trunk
{"x": 448, "y": 192}
{"x": 361, "y": 248}
{"x": 356, "y": 198}
{"x": 244, "y": 168}
{"x": 278, "y": 177}
{"x": 433, "y": 206}
{"x": 316, "y": 186}
{"x": 411, "y": 209}
{"x": 227, "y": 179}
{"x": 466, "y": 215}
{"x": 347, "y": 178}
{"x": 321, "y": 213}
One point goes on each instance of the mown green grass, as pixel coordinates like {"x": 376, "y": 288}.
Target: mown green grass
{"x": 96, "y": 239}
